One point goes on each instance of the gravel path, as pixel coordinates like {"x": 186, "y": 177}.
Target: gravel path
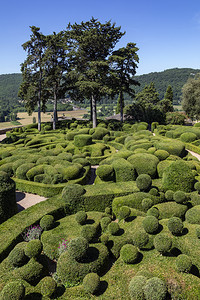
{"x": 195, "y": 154}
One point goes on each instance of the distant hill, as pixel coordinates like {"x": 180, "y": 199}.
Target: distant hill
{"x": 177, "y": 77}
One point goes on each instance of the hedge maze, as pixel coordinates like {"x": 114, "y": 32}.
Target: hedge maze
{"x": 133, "y": 234}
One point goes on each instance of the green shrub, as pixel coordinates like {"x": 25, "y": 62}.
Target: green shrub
{"x": 183, "y": 263}
{"x": 154, "y": 192}
{"x": 178, "y": 176}
{"x": 39, "y": 169}
{"x": 136, "y": 287}
{"x": 72, "y": 271}
{"x": 172, "y": 147}
{"x": 23, "y": 169}
{"x": 144, "y": 163}
{"x": 108, "y": 210}
{"x": 91, "y": 283}
{"x": 48, "y": 286}
{"x": 153, "y": 211}
{"x": 161, "y": 154}
{"x": 150, "y": 224}
{"x": 113, "y": 228}
{"x": 82, "y": 140}
{"x": 30, "y": 272}
{"x": 8, "y": 206}
{"x": 88, "y": 232}
{"x": 188, "y": 137}
{"x": 99, "y": 133}
{"x": 143, "y": 182}
{"x": 124, "y": 212}
{"x": 169, "y": 195}
{"x": 17, "y": 257}
{"x": 16, "y": 164}
{"x": 175, "y": 225}
{"x": 78, "y": 247}
{"x": 162, "y": 166}
{"x": 81, "y": 217}
{"x": 105, "y": 221}
{"x": 147, "y": 203}
{"x": 162, "y": 243}
{"x": 47, "y": 222}
{"x": 192, "y": 216}
{"x": 179, "y": 197}
{"x": 155, "y": 289}
{"x": 154, "y": 125}
{"x": 71, "y": 195}
{"x": 104, "y": 238}
{"x": 171, "y": 209}
{"x": 197, "y": 186}
{"x": 140, "y": 239}
{"x": 33, "y": 248}
{"x": 105, "y": 172}
{"x": 13, "y": 290}
{"x": 129, "y": 254}
{"x": 124, "y": 171}
{"x": 7, "y": 168}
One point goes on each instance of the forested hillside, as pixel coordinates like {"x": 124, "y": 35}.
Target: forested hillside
{"x": 175, "y": 77}
{"x": 9, "y": 83}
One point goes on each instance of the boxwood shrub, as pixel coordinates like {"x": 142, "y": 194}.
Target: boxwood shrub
{"x": 136, "y": 286}
{"x": 162, "y": 243}
{"x": 143, "y": 182}
{"x": 129, "y": 254}
{"x": 155, "y": 289}
{"x": 150, "y": 224}
{"x": 183, "y": 263}
{"x": 47, "y": 286}
{"x": 144, "y": 163}
{"x": 13, "y": 290}
{"x": 175, "y": 225}
{"x": 91, "y": 283}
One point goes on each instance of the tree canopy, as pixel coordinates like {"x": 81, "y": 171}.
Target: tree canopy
{"x": 191, "y": 97}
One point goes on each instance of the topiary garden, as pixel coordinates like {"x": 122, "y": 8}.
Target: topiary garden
{"x": 132, "y": 234}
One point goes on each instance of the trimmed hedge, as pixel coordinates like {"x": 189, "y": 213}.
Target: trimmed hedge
{"x": 91, "y": 283}
{"x": 144, "y": 163}
{"x": 8, "y": 206}
{"x": 172, "y": 147}
{"x": 178, "y": 176}
{"x": 155, "y": 289}
{"x": 13, "y": 290}
{"x": 124, "y": 171}
{"x": 136, "y": 286}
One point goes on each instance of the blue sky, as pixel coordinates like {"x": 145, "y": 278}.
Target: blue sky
{"x": 167, "y": 32}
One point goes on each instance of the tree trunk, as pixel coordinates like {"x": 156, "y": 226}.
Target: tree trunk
{"x": 121, "y": 106}
{"x": 91, "y": 114}
{"x": 94, "y": 112}
{"x": 55, "y": 115}
{"x": 39, "y": 102}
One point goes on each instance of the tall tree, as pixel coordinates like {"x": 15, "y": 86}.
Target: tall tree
{"x": 32, "y": 89}
{"x": 167, "y": 102}
{"x": 93, "y": 43}
{"x": 191, "y": 97}
{"x": 56, "y": 61}
{"x": 123, "y": 64}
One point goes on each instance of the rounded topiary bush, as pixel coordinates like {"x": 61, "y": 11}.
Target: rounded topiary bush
{"x": 124, "y": 212}
{"x": 129, "y": 254}
{"x": 188, "y": 137}
{"x": 124, "y": 171}
{"x": 91, "y": 283}
{"x": 197, "y": 186}
{"x": 154, "y": 191}
{"x": 183, "y": 263}
{"x": 144, "y": 163}
{"x": 23, "y": 169}
{"x": 150, "y": 224}
{"x": 17, "y": 257}
{"x": 104, "y": 238}
{"x": 72, "y": 196}
{"x": 105, "y": 221}
{"x": 178, "y": 176}
{"x": 47, "y": 222}
{"x": 140, "y": 239}
{"x": 81, "y": 217}
{"x": 161, "y": 154}
{"x": 192, "y": 215}
{"x": 143, "y": 182}
{"x": 105, "y": 172}
{"x": 113, "y": 228}
{"x": 88, "y": 232}
{"x": 153, "y": 211}
{"x": 82, "y": 140}
{"x": 33, "y": 248}
{"x": 179, "y": 197}
{"x": 48, "y": 286}
{"x": 169, "y": 195}
{"x": 136, "y": 287}
{"x": 8, "y": 206}
{"x": 78, "y": 247}
{"x": 175, "y": 225}
{"x": 13, "y": 290}
{"x": 108, "y": 210}
{"x": 162, "y": 243}
{"x": 155, "y": 289}
{"x": 147, "y": 203}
